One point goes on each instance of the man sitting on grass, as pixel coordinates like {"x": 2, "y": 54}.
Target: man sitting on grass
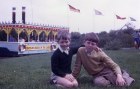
{"x": 103, "y": 69}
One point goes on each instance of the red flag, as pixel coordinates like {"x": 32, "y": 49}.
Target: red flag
{"x": 98, "y": 12}
{"x": 121, "y": 18}
{"x": 74, "y": 9}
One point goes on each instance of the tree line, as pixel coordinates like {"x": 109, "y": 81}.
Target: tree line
{"x": 113, "y": 40}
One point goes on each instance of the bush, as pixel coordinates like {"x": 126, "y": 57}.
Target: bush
{"x": 75, "y": 39}
{"x": 113, "y": 45}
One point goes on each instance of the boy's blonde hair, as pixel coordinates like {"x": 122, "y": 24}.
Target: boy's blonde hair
{"x": 63, "y": 34}
{"x": 91, "y": 37}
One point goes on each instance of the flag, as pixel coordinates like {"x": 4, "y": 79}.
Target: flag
{"x": 98, "y": 12}
{"x": 121, "y": 18}
{"x": 74, "y": 9}
{"x": 132, "y": 19}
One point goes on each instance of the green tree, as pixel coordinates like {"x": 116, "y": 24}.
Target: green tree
{"x": 75, "y": 39}
{"x": 104, "y": 38}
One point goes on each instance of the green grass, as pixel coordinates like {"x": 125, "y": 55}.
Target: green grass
{"x": 33, "y": 71}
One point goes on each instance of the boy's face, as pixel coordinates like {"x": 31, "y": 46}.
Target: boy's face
{"x": 64, "y": 44}
{"x": 89, "y": 45}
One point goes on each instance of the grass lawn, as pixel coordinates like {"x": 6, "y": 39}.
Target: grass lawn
{"x": 33, "y": 71}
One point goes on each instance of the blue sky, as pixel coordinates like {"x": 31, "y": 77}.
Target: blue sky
{"x": 56, "y": 12}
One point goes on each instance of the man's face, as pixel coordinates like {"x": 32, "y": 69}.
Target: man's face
{"x": 89, "y": 45}
{"x": 64, "y": 44}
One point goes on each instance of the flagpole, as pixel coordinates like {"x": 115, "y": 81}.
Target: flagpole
{"x": 71, "y": 8}
{"x": 96, "y": 13}
{"x": 114, "y": 13}
{"x": 114, "y": 22}
{"x": 121, "y": 18}
{"x": 68, "y": 20}
{"x": 78, "y": 24}
{"x": 123, "y": 26}
{"x": 93, "y": 20}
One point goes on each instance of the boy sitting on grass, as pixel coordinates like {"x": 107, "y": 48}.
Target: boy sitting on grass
{"x": 103, "y": 69}
{"x": 61, "y": 62}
